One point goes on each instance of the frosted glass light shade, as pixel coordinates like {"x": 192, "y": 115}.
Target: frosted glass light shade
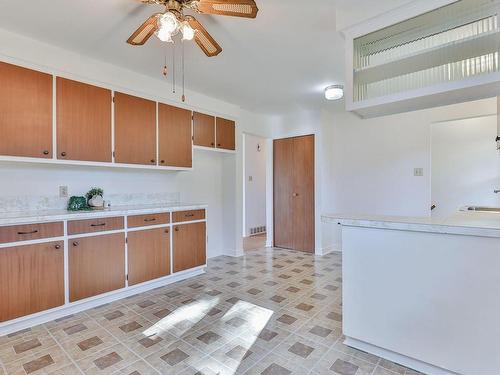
{"x": 334, "y": 92}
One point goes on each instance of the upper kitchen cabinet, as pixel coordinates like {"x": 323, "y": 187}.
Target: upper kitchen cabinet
{"x": 174, "y": 136}
{"x": 83, "y": 122}
{"x": 135, "y": 130}
{"x": 25, "y": 112}
{"x": 225, "y": 134}
{"x": 204, "y": 129}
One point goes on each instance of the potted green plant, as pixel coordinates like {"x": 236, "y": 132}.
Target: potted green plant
{"x": 95, "y": 197}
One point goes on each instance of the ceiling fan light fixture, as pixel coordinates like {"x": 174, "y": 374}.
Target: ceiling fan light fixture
{"x": 169, "y": 23}
{"x": 334, "y": 92}
{"x": 164, "y": 35}
{"x": 187, "y": 31}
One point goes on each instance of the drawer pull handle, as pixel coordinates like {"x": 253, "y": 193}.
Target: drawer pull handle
{"x": 57, "y": 247}
{"x": 75, "y": 244}
{"x": 98, "y": 225}
{"x": 32, "y": 232}
{"x": 149, "y": 220}
{"x": 46, "y": 152}
{"x": 189, "y": 215}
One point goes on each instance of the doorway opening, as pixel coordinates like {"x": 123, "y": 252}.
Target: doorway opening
{"x": 255, "y": 155}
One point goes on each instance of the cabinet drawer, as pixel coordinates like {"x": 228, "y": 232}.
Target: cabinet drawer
{"x": 188, "y": 215}
{"x": 145, "y": 220}
{"x": 28, "y": 232}
{"x": 95, "y": 225}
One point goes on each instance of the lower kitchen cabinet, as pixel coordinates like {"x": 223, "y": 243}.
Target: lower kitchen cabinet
{"x": 189, "y": 246}
{"x": 31, "y": 279}
{"x": 148, "y": 255}
{"x": 96, "y": 265}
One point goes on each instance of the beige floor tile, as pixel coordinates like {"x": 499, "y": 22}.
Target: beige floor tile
{"x": 298, "y": 349}
{"x": 133, "y": 326}
{"x": 239, "y": 354}
{"x": 175, "y": 358}
{"x": 38, "y": 361}
{"x": 87, "y": 343}
{"x": 321, "y": 331}
{"x": 207, "y": 366}
{"x": 338, "y": 363}
{"x": 145, "y": 345}
{"x": 107, "y": 361}
{"x": 18, "y": 348}
{"x": 137, "y": 368}
{"x": 274, "y": 364}
{"x": 339, "y": 346}
{"x": 209, "y": 338}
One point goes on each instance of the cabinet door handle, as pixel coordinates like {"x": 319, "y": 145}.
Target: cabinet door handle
{"x": 75, "y": 244}
{"x": 149, "y": 220}
{"x": 189, "y": 215}
{"x": 98, "y": 225}
{"x": 63, "y": 154}
{"x": 166, "y": 231}
{"x": 32, "y": 232}
{"x": 218, "y": 144}
{"x": 176, "y": 229}
{"x": 295, "y": 194}
{"x": 57, "y": 247}
{"x": 211, "y": 143}
{"x": 152, "y": 160}
{"x": 163, "y": 161}
{"x": 45, "y": 152}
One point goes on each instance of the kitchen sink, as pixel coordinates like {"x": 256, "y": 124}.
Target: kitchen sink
{"x": 483, "y": 209}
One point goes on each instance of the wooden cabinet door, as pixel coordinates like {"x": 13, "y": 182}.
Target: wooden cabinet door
{"x": 135, "y": 130}
{"x": 283, "y": 193}
{"x": 96, "y": 265}
{"x": 31, "y": 279}
{"x": 148, "y": 255}
{"x": 189, "y": 246}
{"x": 83, "y": 121}
{"x": 25, "y": 112}
{"x": 203, "y": 129}
{"x": 303, "y": 194}
{"x": 175, "y": 136}
{"x": 294, "y": 220}
{"x": 225, "y": 134}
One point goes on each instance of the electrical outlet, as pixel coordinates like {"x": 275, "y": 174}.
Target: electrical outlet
{"x": 418, "y": 172}
{"x": 250, "y": 178}
{"x": 63, "y": 192}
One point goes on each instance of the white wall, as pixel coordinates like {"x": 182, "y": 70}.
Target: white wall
{"x": 367, "y": 166}
{"x": 216, "y": 178}
{"x": 465, "y": 164}
{"x": 255, "y": 189}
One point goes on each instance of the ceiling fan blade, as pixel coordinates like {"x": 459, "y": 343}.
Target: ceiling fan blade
{"x": 144, "y": 32}
{"x": 237, "y": 8}
{"x": 204, "y": 40}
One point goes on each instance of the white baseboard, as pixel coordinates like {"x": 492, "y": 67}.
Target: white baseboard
{"x": 412, "y": 363}
{"x": 75, "y": 307}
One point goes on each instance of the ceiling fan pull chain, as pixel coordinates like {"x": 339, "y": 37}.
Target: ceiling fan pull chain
{"x": 165, "y": 70}
{"x": 173, "y": 68}
{"x": 183, "y": 74}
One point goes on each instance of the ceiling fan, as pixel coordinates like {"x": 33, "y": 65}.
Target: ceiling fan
{"x": 173, "y": 21}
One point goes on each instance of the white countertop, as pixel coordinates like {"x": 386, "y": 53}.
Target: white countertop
{"x": 485, "y": 224}
{"x": 24, "y": 217}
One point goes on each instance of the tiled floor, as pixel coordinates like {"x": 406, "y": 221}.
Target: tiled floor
{"x": 272, "y": 312}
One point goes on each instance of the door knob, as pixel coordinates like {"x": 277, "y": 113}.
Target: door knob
{"x": 75, "y": 243}
{"x": 57, "y": 247}
{"x": 45, "y": 152}
{"x": 295, "y": 194}
{"x": 63, "y": 154}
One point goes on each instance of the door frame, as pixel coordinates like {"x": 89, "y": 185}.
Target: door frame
{"x": 315, "y": 187}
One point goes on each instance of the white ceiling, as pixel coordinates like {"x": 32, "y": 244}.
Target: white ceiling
{"x": 278, "y": 62}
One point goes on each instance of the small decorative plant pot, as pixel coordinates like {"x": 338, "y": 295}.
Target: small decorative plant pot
{"x": 96, "y": 201}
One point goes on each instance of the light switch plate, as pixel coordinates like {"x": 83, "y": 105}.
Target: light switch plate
{"x": 63, "y": 192}
{"x": 418, "y": 172}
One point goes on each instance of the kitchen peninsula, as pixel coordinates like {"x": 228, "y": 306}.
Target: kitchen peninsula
{"x": 423, "y": 292}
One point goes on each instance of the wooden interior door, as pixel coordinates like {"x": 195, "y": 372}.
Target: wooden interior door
{"x": 203, "y": 129}
{"x": 225, "y": 133}
{"x": 135, "y": 130}
{"x": 175, "y": 137}
{"x": 83, "y": 121}
{"x": 31, "y": 279}
{"x": 148, "y": 255}
{"x": 25, "y": 112}
{"x": 189, "y": 246}
{"x": 294, "y": 221}
{"x": 96, "y": 265}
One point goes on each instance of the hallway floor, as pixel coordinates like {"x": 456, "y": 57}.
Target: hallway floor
{"x": 271, "y": 312}
{"x": 257, "y": 242}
